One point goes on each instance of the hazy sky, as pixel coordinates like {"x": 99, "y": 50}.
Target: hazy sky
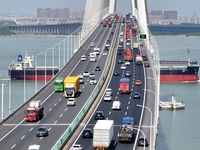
{"x": 184, "y": 7}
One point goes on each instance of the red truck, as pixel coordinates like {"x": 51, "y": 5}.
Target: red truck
{"x": 128, "y": 55}
{"x": 128, "y": 33}
{"x": 124, "y": 86}
{"x": 34, "y": 111}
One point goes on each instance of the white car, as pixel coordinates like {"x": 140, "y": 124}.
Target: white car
{"x": 116, "y": 105}
{"x": 107, "y": 98}
{"x": 92, "y": 44}
{"x": 97, "y": 50}
{"x": 81, "y": 79}
{"x": 83, "y": 57}
{"x": 86, "y": 74}
{"x": 76, "y": 147}
{"x": 93, "y": 81}
{"x": 91, "y": 75}
{"x": 34, "y": 147}
{"x": 104, "y": 54}
{"x": 123, "y": 67}
{"x": 71, "y": 102}
{"x": 108, "y": 91}
{"x": 128, "y": 44}
{"x": 127, "y": 63}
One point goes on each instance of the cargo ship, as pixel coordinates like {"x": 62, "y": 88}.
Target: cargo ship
{"x": 177, "y": 73}
{"x": 23, "y": 69}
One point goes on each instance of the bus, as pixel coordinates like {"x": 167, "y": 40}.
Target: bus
{"x": 59, "y": 84}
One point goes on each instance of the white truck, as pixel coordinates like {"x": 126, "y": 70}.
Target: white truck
{"x": 93, "y": 57}
{"x": 103, "y": 134}
{"x": 139, "y": 60}
{"x": 135, "y": 45}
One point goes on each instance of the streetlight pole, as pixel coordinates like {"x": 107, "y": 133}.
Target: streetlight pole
{"x": 36, "y": 70}
{"x": 151, "y": 121}
{"x": 46, "y": 64}
{"x": 2, "y": 99}
{"x": 53, "y": 57}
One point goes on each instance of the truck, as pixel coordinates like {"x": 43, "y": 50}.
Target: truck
{"x": 139, "y": 59}
{"x": 126, "y": 131}
{"x": 128, "y": 34}
{"x": 102, "y": 134}
{"x": 59, "y": 84}
{"x": 71, "y": 86}
{"x": 128, "y": 55}
{"x": 124, "y": 86}
{"x": 135, "y": 45}
{"x": 34, "y": 111}
{"x": 93, "y": 56}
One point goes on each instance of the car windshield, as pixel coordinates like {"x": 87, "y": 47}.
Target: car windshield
{"x": 41, "y": 129}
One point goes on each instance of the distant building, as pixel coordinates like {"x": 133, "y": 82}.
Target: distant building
{"x": 156, "y": 13}
{"x": 75, "y": 15}
{"x": 170, "y": 15}
{"x": 82, "y": 14}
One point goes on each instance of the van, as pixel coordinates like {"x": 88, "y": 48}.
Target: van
{"x": 34, "y": 147}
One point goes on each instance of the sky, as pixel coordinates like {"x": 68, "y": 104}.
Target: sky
{"x": 184, "y": 7}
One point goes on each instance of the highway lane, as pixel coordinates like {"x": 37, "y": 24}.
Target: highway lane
{"x": 57, "y": 115}
{"x": 128, "y": 104}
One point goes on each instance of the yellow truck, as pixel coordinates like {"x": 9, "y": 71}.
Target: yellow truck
{"x": 71, "y": 86}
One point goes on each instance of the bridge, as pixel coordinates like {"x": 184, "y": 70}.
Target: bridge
{"x": 64, "y": 123}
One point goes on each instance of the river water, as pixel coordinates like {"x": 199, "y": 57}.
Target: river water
{"x": 178, "y": 129}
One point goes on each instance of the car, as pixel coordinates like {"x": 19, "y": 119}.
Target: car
{"x": 34, "y": 147}
{"x": 81, "y": 79}
{"x": 119, "y": 53}
{"x": 120, "y": 46}
{"x": 97, "y": 50}
{"x": 123, "y": 67}
{"x": 87, "y": 133}
{"x": 83, "y": 57}
{"x": 138, "y": 82}
{"x": 142, "y": 141}
{"x": 93, "y": 81}
{"x": 116, "y": 73}
{"x": 116, "y": 105}
{"x": 76, "y": 147}
{"x": 106, "y": 49}
{"x": 127, "y": 63}
{"x": 71, "y": 102}
{"x": 107, "y": 44}
{"x": 107, "y": 98}
{"x": 127, "y": 73}
{"x": 111, "y": 33}
{"x": 146, "y": 64}
{"x": 128, "y": 44}
{"x": 136, "y": 95}
{"x": 91, "y": 75}
{"x": 120, "y": 61}
{"x": 86, "y": 74}
{"x": 144, "y": 57}
{"x": 108, "y": 41}
{"x": 99, "y": 115}
{"x": 104, "y": 54}
{"x": 42, "y": 132}
{"x": 92, "y": 44}
{"x": 108, "y": 91}
{"x": 97, "y": 68}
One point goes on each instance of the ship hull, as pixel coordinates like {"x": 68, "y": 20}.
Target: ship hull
{"x": 32, "y": 74}
{"x": 179, "y": 74}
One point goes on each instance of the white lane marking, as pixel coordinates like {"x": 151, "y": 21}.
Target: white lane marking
{"x": 129, "y": 97}
{"x": 61, "y": 115}
{"x": 109, "y": 112}
{"x": 129, "y": 102}
{"x": 115, "y": 143}
{"x": 49, "y": 129}
{"x": 125, "y": 113}
{"x": 31, "y": 129}
{"x": 59, "y": 99}
{"x": 65, "y": 109}
{"x": 44, "y": 115}
{"x": 22, "y": 137}
{"x": 55, "y": 122}
{"x": 13, "y": 146}
{"x": 55, "y": 104}
{"x": 127, "y": 107}
{"x": 50, "y": 109}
